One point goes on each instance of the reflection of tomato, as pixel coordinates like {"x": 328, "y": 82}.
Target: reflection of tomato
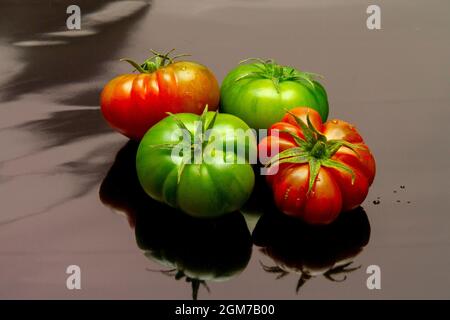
{"x": 310, "y": 251}
{"x": 120, "y": 189}
{"x": 320, "y": 170}
{"x": 260, "y": 92}
{"x": 196, "y": 250}
{"x": 132, "y": 103}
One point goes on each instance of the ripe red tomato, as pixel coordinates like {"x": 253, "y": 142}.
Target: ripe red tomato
{"x": 321, "y": 168}
{"x": 132, "y": 103}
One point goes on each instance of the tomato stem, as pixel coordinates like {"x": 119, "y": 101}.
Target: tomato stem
{"x": 319, "y": 150}
{"x": 313, "y": 149}
{"x": 270, "y": 69}
{"x": 155, "y": 62}
{"x": 198, "y": 139}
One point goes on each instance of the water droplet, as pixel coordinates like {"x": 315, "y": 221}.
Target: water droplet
{"x": 286, "y": 194}
{"x": 334, "y": 121}
{"x": 376, "y": 202}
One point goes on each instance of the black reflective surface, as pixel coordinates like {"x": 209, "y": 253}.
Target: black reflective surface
{"x": 57, "y": 150}
{"x": 199, "y": 251}
{"x": 187, "y": 249}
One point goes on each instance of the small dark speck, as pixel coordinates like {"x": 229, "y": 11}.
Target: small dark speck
{"x": 402, "y": 187}
{"x": 408, "y": 201}
{"x": 398, "y": 200}
{"x": 378, "y": 198}
{"x": 376, "y": 201}
{"x": 395, "y": 191}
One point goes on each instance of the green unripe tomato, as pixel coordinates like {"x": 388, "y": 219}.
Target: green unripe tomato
{"x": 259, "y": 93}
{"x": 223, "y": 179}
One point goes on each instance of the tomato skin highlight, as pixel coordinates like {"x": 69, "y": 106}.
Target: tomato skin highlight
{"x": 334, "y": 189}
{"x": 133, "y": 103}
{"x": 352, "y": 194}
{"x": 260, "y": 102}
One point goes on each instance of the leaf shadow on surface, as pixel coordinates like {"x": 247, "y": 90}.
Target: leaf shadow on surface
{"x": 76, "y": 59}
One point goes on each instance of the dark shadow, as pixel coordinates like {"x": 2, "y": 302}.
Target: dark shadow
{"x": 261, "y": 199}
{"x": 312, "y": 251}
{"x": 91, "y": 172}
{"x": 88, "y": 98}
{"x": 78, "y": 59}
{"x": 120, "y": 189}
{"x": 194, "y": 250}
{"x": 64, "y": 127}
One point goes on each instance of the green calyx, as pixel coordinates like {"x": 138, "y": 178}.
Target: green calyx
{"x": 197, "y": 142}
{"x": 199, "y": 139}
{"x": 269, "y": 69}
{"x": 155, "y": 62}
{"x": 314, "y": 149}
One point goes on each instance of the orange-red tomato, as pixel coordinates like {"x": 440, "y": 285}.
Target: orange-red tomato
{"x": 344, "y": 173}
{"x": 132, "y": 103}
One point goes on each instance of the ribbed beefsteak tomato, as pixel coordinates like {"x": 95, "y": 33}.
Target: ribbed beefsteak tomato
{"x": 260, "y": 92}
{"x": 321, "y": 168}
